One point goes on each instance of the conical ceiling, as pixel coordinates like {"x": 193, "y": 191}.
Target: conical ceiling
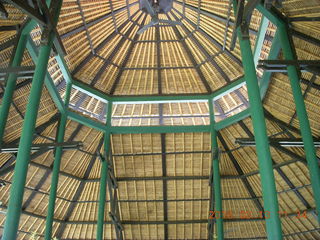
{"x": 105, "y": 51}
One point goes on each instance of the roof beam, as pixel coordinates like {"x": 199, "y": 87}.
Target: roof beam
{"x": 214, "y": 41}
{"x": 164, "y": 185}
{"x": 240, "y": 172}
{"x": 93, "y": 22}
{"x": 204, "y": 51}
{"x": 191, "y": 57}
{"x": 126, "y": 59}
{"x": 76, "y": 196}
{"x": 48, "y": 171}
{"x": 99, "y": 47}
{"x": 8, "y": 166}
{"x": 280, "y": 172}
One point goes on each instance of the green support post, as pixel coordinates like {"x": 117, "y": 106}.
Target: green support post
{"x": 20, "y": 172}
{"x": 11, "y": 84}
{"x": 302, "y": 114}
{"x": 269, "y": 193}
{"x": 103, "y": 177}
{"x": 216, "y": 175}
{"x": 56, "y": 167}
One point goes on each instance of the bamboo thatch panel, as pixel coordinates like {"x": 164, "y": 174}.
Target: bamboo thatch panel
{"x": 226, "y": 166}
{"x": 188, "y": 210}
{"x": 69, "y": 16}
{"x": 140, "y": 190}
{"x": 88, "y": 231}
{"x": 143, "y": 56}
{"x": 233, "y": 188}
{"x": 15, "y": 16}
{"x": 142, "y": 211}
{"x": 144, "y": 232}
{"x": 188, "y": 231}
{"x": 251, "y": 230}
{"x": 188, "y": 189}
{"x": 295, "y": 224}
{"x": 173, "y": 54}
{"x": 280, "y": 94}
{"x": 301, "y": 8}
{"x": 98, "y": 33}
{"x": 134, "y": 82}
{"x": 237, "y": 209}
{"x": 135, "y": 143}
{"x": 189, "y": 164}
{"x": 97, "y": 8}
{"x": 138, "y": 166}
{"x": 77, "y": 48}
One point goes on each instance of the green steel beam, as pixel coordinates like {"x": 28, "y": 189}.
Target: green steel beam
{"x": 65, "y": 71}
{"x": 34, "y": 52}
{"x": 228, "y": 88}
{"x": 86, "y": 121}
{"x": 216, "y": 174}
{"x": 103, "y": 177}
{"x": 56, "y": 168}
{"x": 23, "y": 156}
{"x": 268, "y": 14}
{"x": 269, "y": 192}
{"x": 260, "y": 39}
{"x": 266, "y": 77}
{"x": 302, "y": 114}
{"x": 233, "y": 119}
{"x": 91, "y": 91}
{"x": 11, "y": 85}
{"x": 160, "y": 129}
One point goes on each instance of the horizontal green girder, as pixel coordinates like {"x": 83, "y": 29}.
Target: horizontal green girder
{"x": 233, "y": 119}
{"x": 160, "y": 129}
{"x": 156, "y": 98}
{"x": 86, "y": 121}
{"x": 136, "y": 129}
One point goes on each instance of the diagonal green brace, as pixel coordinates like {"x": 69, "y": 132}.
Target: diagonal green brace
{"x": 269, "y": 193}
{"x": 11, "y": 85}
{"x": 302, "y": 114}
{"x": 23, "y": 157}
{"x": 56, "y": 168}
{"x": 34, "y": 52}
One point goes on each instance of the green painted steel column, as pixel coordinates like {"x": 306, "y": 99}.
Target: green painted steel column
{"x": 269, "y": 194}
{"x": 103, "y": 177}
{"x": 56, "y": 167}
{"x": 23, "y": 157}
{"x": 216, "y": 175}
{"x": 11, "y": 85}
{"x": 306, "y": 134}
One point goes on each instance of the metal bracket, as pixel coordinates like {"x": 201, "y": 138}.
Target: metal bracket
{"x": 281, "y": 65}
{"x": 44, "y": 18}
{"x": 112, "y": 178}
{"x": 43, "y": 146}
{"x": 243, "y": 18}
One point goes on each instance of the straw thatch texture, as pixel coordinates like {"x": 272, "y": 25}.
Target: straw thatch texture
{"x": 124, "y": 63}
